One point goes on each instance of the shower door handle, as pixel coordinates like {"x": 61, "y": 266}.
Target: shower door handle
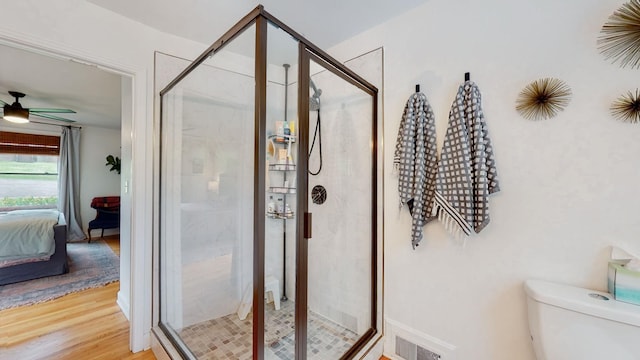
{"x": 307, "y": 225}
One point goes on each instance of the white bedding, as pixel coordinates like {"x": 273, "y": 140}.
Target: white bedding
{"x": 27, "y": 235}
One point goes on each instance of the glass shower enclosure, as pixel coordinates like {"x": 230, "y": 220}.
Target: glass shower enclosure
{"x": 268, "y": 201}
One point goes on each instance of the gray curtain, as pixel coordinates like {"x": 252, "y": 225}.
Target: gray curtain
{"x": 69, "y": 182}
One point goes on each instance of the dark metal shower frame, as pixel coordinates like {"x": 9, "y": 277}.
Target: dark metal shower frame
{"x": 307, "y": 52}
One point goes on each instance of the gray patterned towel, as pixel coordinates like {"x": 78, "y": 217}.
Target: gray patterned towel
{"x": 415, "y": 161}
{"x": 467, "y": 172}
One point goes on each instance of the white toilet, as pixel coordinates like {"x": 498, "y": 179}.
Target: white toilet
{"x": 570, "y": 323}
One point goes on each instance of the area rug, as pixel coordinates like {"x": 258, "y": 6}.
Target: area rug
{"x": 90, "y": 265}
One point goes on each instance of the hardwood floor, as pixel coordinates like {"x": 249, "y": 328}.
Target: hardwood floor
{"x": 82, "y": 325}
{"x": 114, "y": 243}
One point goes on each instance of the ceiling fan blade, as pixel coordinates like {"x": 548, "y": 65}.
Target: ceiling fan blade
{"x": 52, "y": 117}
{"x": 45, "y": 110}
{"x": 3, "y": 103}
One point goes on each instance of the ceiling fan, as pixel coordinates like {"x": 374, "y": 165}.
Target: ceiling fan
{"x": 17, "y": 114}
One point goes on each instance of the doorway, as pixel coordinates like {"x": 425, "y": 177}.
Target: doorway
{"x": 57, "y": 80}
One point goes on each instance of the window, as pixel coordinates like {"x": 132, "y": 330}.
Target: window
{"x": 28, "y": 170}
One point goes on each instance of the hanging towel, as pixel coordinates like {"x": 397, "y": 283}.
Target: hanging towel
{"x": 467, "y": 172}
{"x": 415, "y": 161}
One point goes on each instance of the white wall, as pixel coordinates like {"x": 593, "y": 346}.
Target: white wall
{"x": 75, "y": 28}
{"x": 569, "y": 184}
{"x": 95, "y": 178}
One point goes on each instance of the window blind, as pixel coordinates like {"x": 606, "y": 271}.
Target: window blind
{"x": 31, "y": 144}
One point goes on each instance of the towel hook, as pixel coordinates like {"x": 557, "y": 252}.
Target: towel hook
{"x": 417, "y": 87}
{"x": 467, "y": 76}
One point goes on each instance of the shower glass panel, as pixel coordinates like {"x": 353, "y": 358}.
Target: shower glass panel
{"x": 340, "y": 252}
{"x": 280, "y": 197}
{"x": 207, "y": 204}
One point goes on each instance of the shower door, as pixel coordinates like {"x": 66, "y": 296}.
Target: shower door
{"x": 336, "y": 307}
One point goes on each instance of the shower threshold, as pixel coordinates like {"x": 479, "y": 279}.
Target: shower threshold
{"x": 228, "y": 337}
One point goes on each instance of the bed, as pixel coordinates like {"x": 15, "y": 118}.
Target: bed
{"x": 33, "y": 244}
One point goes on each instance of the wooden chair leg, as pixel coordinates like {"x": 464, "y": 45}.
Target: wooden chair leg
{"x": 89, "y": 232}
{"x": 102, "y": 235}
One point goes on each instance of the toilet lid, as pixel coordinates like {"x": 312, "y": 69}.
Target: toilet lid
{"x": 579, "y": 300}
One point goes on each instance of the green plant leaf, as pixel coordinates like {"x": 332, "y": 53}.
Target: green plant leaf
{"x": 114, "y": 162}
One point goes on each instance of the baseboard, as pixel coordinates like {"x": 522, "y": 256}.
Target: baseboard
{"x": 123, "y": 303}
{"x": 402, "y": 340}
{"x": 111, "y": 232}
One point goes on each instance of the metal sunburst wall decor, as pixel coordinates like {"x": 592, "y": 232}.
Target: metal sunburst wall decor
{"x": 619, "y": 38}
{"x": 627, "y": 107}
{"x": 543, "y": 99}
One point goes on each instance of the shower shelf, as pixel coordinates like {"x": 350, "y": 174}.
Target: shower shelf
{"x": 282, "y": 190}
{"x": 277, "y": 215}
{"x": 283, "y": 139}
{"x": 282, "y": 167}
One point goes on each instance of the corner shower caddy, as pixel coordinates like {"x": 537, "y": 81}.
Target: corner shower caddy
{"x": 238, "y": 193}
{"x": 284, "y": 168}
{"x": 285, "y": 213}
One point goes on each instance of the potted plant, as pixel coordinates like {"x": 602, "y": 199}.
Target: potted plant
{"x": 114, "y": 162}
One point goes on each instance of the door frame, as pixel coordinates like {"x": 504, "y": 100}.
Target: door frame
{"x": 134, "y": 301}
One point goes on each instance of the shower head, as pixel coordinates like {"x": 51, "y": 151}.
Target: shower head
{"x": 314, "y": 100}
{"x": 314, "y": 103}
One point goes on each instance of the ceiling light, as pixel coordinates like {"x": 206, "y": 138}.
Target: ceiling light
{"x": 15, "y": 115}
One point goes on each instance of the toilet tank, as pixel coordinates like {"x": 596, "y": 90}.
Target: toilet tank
{"x": 571, "y": 323}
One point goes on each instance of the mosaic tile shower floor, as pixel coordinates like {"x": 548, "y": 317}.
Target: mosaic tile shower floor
{"x": 230, "y": 338}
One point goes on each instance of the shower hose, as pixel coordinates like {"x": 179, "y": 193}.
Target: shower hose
{"x": 317, "y": 133}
